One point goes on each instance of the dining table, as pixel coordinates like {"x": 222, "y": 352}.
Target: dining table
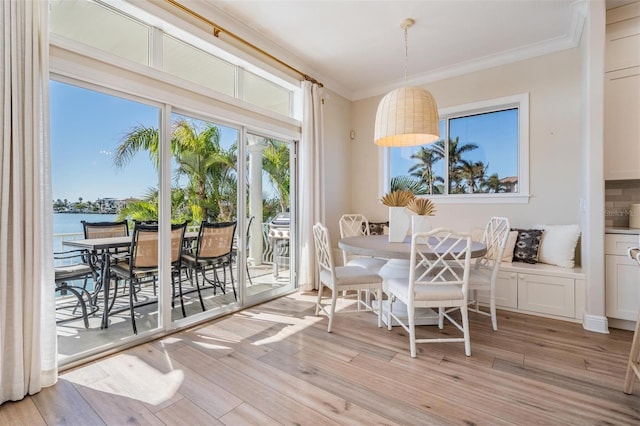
{"x": 397, "y": 266}
{"x": 100, "y": 248}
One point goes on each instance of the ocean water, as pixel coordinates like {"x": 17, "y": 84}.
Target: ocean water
{"x": 70, "y": 223}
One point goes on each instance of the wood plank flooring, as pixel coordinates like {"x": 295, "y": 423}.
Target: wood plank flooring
{"x": 276, "y": 364}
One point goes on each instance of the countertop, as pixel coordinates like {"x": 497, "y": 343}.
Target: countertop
{"x": 631, "y": 231}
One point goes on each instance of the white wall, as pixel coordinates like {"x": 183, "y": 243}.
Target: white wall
{"x": 554, "y": 86}
{"x": 337, "y": 161}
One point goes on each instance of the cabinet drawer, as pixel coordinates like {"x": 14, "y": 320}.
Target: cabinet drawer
{"x": 546, "y": 294}
{"x": 618, "y": 244}
{"x": 506, "y": 291}
{"x": 622, "y": 288}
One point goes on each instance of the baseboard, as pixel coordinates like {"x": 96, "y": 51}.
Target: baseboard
{"x": 595, "y": 323}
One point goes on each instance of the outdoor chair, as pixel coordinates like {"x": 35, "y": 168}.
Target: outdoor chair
{"x": 103, "y": 230}
{"x": 213, "y": 253}
{"x": 141, "y": 262}
{"x": 342, "y": 278}
{"x": 438, "y": 278}
{"x": 70, "y": 266}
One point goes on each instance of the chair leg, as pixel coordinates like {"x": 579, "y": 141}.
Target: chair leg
{"x": 319, "y": 299}
{"x": 334, "y": 299}
{"x": 389, "y": 319}
{"x": 192, "y": 273}
{"x": 233, "y": 286}
{"x": 248, "y": 274}
{"x": 465, "y": 329}
{"x": 492, "y": 308}
{"x": 173, "y": 284}
{"x": 78, "y": 296}
{"x": 412, "y": 330}
{"x": 379, "y": 300}
{"x": 133, "y": 318}
{"x": 440, "y": 318}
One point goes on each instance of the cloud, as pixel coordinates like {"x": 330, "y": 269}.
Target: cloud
{"x": 104, "y": 152}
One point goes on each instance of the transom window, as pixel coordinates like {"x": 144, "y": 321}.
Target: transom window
{"x": 482, "y": 155}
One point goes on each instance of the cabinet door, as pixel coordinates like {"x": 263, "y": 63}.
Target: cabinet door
{"x": 621, "y": 124}
{"x": 546, "y": 294}
{"x": 622, "y": 287}
{"x": 506, "y": 291}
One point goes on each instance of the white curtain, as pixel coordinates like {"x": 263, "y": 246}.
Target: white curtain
{"x": 28, "y": 358}
{"x": 311, "y": 182}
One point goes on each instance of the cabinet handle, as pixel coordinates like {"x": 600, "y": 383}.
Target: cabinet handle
{"x": 513, "y": 276}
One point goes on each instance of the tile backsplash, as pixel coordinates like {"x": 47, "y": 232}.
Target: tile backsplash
{"x": 618, "y": 197}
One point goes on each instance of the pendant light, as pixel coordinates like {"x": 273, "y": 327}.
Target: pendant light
{"x": 407, "y": 116}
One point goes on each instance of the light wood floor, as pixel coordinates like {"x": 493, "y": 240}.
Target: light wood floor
{"x": 276, "y": 364}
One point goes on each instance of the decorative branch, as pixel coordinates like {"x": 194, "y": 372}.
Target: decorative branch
{"x": 422, "y": 206}
{"x": 398, "y": 198}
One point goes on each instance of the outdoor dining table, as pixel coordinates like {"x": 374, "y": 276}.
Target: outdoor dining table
{"x": 101, "y": 247}
{"x": 398, "y": 264}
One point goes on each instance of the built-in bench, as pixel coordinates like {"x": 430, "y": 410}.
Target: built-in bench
{"x": 541, "y": 289}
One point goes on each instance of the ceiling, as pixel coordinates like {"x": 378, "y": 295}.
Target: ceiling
{"x": 356, "y": 48}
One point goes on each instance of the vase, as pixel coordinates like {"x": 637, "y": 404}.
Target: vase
{"x": 398, "y": 224}
{"x": 420, "y": 223}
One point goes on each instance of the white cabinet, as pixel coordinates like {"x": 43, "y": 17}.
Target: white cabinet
{"x": 621, "y": 93}
{"x": 622, "y": 277}
{"x": 540, "y": 290}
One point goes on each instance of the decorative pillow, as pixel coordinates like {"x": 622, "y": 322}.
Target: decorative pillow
{"x": 527, "y": 245}
{"x": 558, "y": 244}
{"x": 378, "y": 228}
{"x": 507, "y": 256}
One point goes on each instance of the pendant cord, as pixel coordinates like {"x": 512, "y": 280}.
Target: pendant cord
{"x": 406, "y": 53}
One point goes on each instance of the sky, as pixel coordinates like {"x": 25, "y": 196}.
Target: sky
{"x": 86, "y": 128}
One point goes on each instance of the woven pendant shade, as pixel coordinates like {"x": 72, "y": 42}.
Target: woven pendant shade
{"x": 407, "y": 117}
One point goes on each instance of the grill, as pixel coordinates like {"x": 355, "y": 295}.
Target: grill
{"x": 279, "y": 239}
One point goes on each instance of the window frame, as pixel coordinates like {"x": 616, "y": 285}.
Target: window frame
{"x": 521, "y": 103}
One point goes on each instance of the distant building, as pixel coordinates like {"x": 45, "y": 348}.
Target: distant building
{"x": 510, "y": 183}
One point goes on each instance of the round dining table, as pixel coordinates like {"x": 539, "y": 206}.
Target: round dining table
{"x": 398, "y": 266}
{"x": 379, "y": 246}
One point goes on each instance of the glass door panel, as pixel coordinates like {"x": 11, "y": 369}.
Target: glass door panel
{"x": 204, "y": 191}
{"x": 270, "y": 238}
{"x": 102, "y": 172}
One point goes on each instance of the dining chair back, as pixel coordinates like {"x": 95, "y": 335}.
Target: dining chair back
{"x": 438, "y": 278}
{"x": 354, "y": 225}
{"x": 105, "y": 229}
{"x": 342, "y": 278}
{"x": 213, "y": 252}
{"x": 142, "y": 261}
{"x": 484, "y": 274}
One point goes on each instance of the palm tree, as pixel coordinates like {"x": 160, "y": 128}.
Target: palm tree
{"x": 427, "y": 156}
{"x": 455, "y": 152}
{"x": 275, "y": 162}
{"x": 493, "y": 184}
{"x": 473, "y": 173}
{"x": 408, "y": 183}
{"x": 209, "y": 168}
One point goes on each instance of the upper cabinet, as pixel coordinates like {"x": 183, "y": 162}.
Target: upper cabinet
{"x": 622, "y": 93}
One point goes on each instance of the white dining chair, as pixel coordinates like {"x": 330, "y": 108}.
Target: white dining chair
{"x": 438, "y": 278}
{"x": 342, "y": 278}
{"x": 353, "y": 225}
{"x": 484, "y": 274}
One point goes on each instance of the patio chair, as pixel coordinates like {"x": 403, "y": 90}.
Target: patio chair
{"x": 142, "y": 261}
{"x": 438, "y": 278}
{"x": 342, "y": 278}
{"x": 70, "y": 267}
{"x": 104, "y": 230}
{"x": 213, "y": 252}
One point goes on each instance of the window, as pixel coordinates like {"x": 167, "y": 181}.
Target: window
{"x": 124, "y": 30}
{"x": 482, "y": 155}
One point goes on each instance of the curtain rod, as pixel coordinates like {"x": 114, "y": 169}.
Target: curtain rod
{"x": 217, "y": 29}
